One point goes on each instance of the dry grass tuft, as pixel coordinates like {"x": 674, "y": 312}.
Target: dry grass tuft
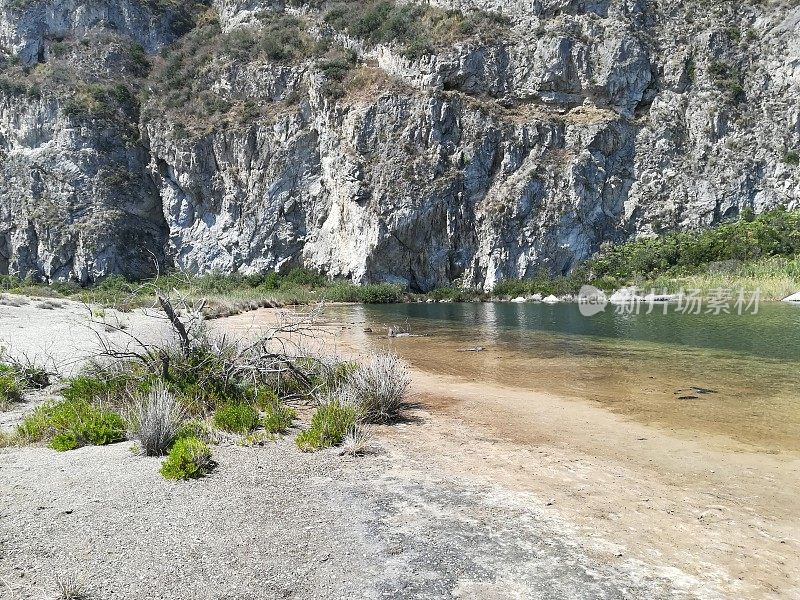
{"x": 71, "y": 586}
{"x": 378, "y": 388}
{"x": 155, "y": 419}
{"x": 356, "y": 439}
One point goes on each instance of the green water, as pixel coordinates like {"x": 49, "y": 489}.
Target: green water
{"x": 640, "y": 365}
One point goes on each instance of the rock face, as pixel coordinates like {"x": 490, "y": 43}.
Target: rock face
{"x": 247, "y": 135}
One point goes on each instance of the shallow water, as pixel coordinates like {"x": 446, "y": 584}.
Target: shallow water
{"x": 746, "y": 368}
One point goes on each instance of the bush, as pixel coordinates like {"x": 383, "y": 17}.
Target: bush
{"x": 155, "y": 419}
{"x": 188, "y": 458}
{"x": 376, "y": 293}
{"x": 329, "y": 425}
{"x": 10, "y": 388}
{"x": 303, "y": 277}
{"x": 89, "y": 388}
{"x": 792, "y": 158}
{"x": 195, "y": 428}
{"x": 772, "y": 233}
{"x": 236, "y": 418}
{"x": 378, "y": 387}
{"x": 277, "y": 416}
{"x": 201, "y": 380}
{"x": 381, "y": 293}
{"x": 72, "y": 424}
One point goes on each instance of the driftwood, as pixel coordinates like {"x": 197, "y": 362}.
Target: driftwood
{"x": 177, "y": 325}
{"x": 279, "y": 349}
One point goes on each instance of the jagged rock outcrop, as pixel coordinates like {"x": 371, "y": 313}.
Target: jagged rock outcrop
{"x": 449, "y": 146}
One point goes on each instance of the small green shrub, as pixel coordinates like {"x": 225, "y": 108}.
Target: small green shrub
{"x": 277, "y": 416}
{"x": 34, "y": 377}
{"x": 189, "y": 458}
{"x": 381, "y": 293}
{"x": 86, "y": 388}
{"x": 265, "y": 398}
{"x": 328, "y": 427}
{"x": 71, "y": 424}
{"x": 10, "y": 388}
{"x": 236, "y": 418}
{"x": 195, "y": 428}
{"x": 792, "y": 158}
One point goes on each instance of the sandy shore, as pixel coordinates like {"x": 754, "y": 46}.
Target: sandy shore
{"x": 710, "y": 511}
{"x": 483, "y": 492}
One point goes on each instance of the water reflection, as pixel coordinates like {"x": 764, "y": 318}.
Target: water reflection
{"x": 636, "y": 364}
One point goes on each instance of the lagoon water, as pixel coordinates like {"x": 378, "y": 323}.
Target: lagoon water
{"x": 730, "y": 375}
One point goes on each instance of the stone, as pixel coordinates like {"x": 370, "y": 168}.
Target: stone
{"x": 626, "y": 296}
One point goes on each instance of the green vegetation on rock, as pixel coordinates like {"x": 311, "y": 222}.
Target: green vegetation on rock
{"x": 759, "y": 252}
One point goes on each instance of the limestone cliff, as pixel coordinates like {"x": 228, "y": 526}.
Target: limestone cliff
{"x": 424, "y": 143}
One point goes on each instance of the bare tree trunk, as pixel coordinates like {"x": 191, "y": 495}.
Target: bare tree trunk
{"x": 176, "y": 323}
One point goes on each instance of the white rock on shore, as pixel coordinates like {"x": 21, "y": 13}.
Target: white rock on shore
{"x": 551, "y": 299}
{"x": 626, "y": 295}
{"x": 662, "y": 298}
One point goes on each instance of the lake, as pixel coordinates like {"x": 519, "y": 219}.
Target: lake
{"x": 736, "y": 376}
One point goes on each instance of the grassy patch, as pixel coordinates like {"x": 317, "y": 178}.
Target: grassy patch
{"x": 329, "y": 425}
{"x": 236, "y": 418}
{"x": 10, "y": 387}
{"x": 189, "y": 458}
{"x": 277, "y": 416}
{"x": 225, "y": 294}
{"x": 416, "y": 28}
{"x": 71, "y": 424}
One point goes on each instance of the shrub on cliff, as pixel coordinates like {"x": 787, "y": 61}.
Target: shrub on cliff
{"x": 416, "y": 28}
